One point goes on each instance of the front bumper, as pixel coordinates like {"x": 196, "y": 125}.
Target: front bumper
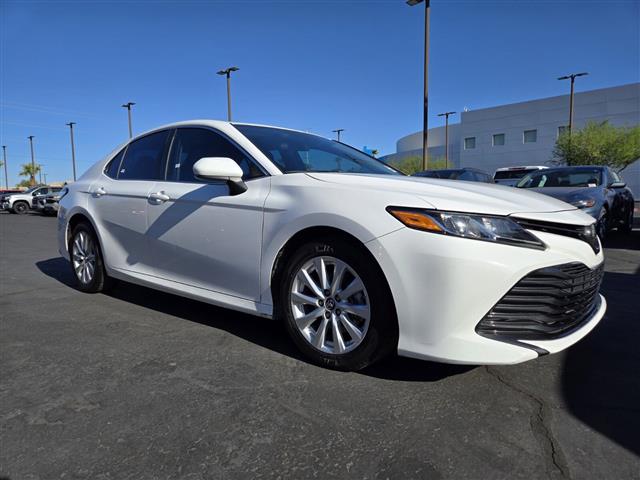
{"x": 5, "y": 206}
{"x": 444, "y": 286}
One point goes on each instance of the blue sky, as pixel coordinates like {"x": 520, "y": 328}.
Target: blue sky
{"x": 311, "y": 65}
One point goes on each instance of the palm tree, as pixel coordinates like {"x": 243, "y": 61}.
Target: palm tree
{"x": 29, "y": 170}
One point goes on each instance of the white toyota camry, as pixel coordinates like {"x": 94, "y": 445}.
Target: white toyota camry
{"x": 356, "y": 258}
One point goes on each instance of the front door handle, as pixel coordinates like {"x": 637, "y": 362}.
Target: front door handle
{"x": 158, "y": 198}
{"x": 98, "y": 192}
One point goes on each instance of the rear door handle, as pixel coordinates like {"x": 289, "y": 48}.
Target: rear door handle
{"x": 98, "y": 192}
{"x": 158, "y": 197}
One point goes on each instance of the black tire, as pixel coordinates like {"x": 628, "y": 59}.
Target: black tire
{"x": 602, "y": 225}
{"x": 20, "y": 207}
{"x": 100, "y": 281}
{"x": 627, "y": 226}
{"x": 381, "y": 337}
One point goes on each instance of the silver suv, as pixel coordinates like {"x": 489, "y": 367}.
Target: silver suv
{"x": 20, "y": 203}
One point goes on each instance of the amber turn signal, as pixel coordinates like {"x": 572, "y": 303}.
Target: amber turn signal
{"x": 417, "y": 220}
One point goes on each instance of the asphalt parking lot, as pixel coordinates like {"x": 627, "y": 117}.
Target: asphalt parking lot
{"x": 140, "y": 384}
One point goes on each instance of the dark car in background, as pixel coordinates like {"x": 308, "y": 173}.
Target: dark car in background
{"x": 466, "y": 174}
{"x": 510, "y": 176}
{"x": 598, "y": 191}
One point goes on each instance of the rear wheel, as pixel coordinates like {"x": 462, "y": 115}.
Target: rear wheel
{"x": 20, "y": 207}
{"x": 336, "y": 306}
{"x": 86, "y": 260}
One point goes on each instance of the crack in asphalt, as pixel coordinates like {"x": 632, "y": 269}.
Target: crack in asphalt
{"x": 539, "y": 426}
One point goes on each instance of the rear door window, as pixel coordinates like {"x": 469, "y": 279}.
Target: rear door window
{"x": 144, "y": 159}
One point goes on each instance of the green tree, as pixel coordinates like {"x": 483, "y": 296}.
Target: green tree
{"x": 28, "y": 170}
{"x": 412, "y": 164}
{"x": 599, "y": 144}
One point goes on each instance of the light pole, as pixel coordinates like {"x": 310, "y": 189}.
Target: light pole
{"x": 128, "y": 106}
{"x": 572, "y": 77}
{"x": 338, "y": 131}
{"x": 73, "y": 149}
{"x": 40, "y": 165}
{"x": 32, "y": 180}
{"x": 227, "y": 72}
{"x": 6, "y": 175}
{"x": 425, "y": 120}
{"x": 446, "y": 135}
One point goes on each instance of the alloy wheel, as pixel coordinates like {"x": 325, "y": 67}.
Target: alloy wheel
{"x": 84, "y": 257}
{"x": 330, "y": 305}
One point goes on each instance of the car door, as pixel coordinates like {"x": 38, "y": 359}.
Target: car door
{"x": 199, "y": 233}
{"x": 118, "y": 202}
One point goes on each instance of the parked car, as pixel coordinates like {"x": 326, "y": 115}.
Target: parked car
{"x": 468, "y": 174}
{"x": 8, "y": 191}
{"x": 510, "y": 176}
{"x": 48, "y": 204}
{"x": 357, "y": 259}
{"x": 598, "y": 191}
{"x": 21, "y": 203}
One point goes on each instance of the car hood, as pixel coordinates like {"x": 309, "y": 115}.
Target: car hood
{"x": 453, "y": 195}
{"x": 569, "y": 194}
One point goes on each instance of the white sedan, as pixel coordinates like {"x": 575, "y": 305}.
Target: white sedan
{"x": 357, "y": 259}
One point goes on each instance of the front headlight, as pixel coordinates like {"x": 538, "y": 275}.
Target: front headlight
{"x": 584, "y": 203}
{"x": 478, "y": 227}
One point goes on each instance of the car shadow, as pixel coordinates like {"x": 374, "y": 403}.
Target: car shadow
{"x": 259, "y": 331}
{"x": 600, "y": 379}
{"x": 625, "y": 241}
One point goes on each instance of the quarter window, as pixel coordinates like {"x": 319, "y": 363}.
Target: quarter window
{"x": 144, "y": 159}
{"x": 192, "y": 144}
{"x": 530, "y": 136}
{"x": 111, "y": 170}
{"x": 469, "y": 143}
{"x": 498, "y": 139}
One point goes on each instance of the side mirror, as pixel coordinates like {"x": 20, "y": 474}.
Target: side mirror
{"x": 221, "y": 168}
{"x": 617, "y": 185}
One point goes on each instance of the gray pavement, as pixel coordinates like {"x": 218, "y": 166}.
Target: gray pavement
{"x": 140, "y": 384}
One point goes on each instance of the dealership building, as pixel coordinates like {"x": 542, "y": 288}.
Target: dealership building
{"x": 525, "y": 133}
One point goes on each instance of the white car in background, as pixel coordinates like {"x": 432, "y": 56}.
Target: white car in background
{"x": 510, "y": 176}
{"x": 357, "y": 259}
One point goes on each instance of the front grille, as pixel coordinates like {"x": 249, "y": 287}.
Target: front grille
{"x": 586, "y": 234}
{"x": 548, "y": 303}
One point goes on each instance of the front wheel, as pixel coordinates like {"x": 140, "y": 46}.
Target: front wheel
{"x": 336, "y": 306}
{"x": 602, "y": 225}
{"x": 20, "y": 208}
{"x": 628, "y": 224}
{"x": 86, "y": 260}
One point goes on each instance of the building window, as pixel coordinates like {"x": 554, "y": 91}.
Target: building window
{"x": 498, "y": 139}
{"x": 562, "y": 129}
{"x": 530, "y": 136}
{"x": 469, "y": 143}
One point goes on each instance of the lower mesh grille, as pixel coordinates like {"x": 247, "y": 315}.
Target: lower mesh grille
{"x": 545, "y": 304}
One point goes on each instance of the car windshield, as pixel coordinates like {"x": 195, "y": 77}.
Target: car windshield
{"x": 566, "y": 177}
{"x": 293, "y": 151}
{"x": 512, "y": 174}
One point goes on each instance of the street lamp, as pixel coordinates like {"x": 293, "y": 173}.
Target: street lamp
{"x": 338, "y": 131}
{"x": 446, "y": 135}
{"x": 572, "y": 77}
{"x": 425, "y": 112}
{"x": 73, "y": 149}
{"x": 128, "y": 106}
{"x": 227, "y": 72}
{"x": 32, "y": 180}
{"x": 6, "y": 175}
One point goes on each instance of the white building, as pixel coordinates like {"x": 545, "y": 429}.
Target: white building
{"x": 525, "y": 133}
